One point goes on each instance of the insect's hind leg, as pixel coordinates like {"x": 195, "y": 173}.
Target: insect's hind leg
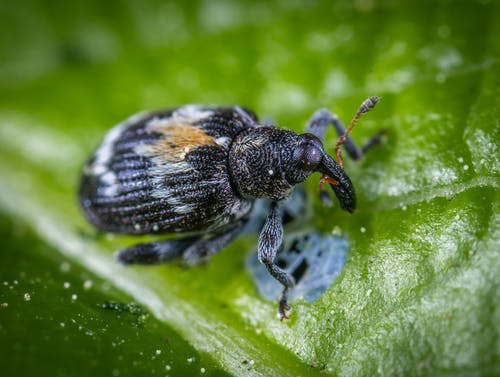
{"x": 155, "y": 252}
{"x": 204, "y": 248}
{"x": 192, "y": 250}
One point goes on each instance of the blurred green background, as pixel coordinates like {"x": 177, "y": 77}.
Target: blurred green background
{"x": 420, "y": 293}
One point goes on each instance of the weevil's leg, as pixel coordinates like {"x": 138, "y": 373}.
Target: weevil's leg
{"x": 319, "y": 123}
{"x": 373, "y": 141}
{"x": 269, "y": 243}
{"x": 323, "y": 118}
{"x": 192, "y": 250}
{"x": 155, "y": 252}
{"x": 204, "y": 248}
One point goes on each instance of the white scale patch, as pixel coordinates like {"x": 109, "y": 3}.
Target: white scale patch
{"x": 110, "y": 180}
{"x": 188, "y": 114}
{"x": 100, "y": 166}
{"x": 191, "y": 114}
{"x": 223, "y": 141}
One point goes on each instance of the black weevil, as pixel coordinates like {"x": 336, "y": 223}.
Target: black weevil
{"x": 198, "y": 170}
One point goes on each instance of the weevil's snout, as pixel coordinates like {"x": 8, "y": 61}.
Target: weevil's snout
{"x": 346, "y": 197}
{"x": 339, "y": 182}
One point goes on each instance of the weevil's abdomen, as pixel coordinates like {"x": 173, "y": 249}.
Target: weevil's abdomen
{"x": 165, "y": 172}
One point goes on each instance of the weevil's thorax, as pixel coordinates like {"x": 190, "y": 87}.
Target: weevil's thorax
{"x": 262, "y": 163}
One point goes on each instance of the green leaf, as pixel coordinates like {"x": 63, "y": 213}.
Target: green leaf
{"x": 419, "y": 294}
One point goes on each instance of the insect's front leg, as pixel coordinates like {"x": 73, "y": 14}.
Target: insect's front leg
{"x": 321, "y": 119}
{"x": 319, "y": 123}
{"x": 269, "y": 243}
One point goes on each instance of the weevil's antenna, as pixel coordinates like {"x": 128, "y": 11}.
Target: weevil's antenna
{"x": 366, "y": 106}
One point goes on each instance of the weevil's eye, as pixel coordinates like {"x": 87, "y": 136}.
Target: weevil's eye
{"x": 310, "y": 157}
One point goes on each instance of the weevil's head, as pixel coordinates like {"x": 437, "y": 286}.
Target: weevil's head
{"x": 309, "y": 157}
{"x": 267, "y": 162}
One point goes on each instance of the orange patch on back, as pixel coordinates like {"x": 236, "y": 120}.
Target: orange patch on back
{"x": 178, "y": 140}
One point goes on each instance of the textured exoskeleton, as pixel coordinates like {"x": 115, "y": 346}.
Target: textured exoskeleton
{"x": 197, "y": 170}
